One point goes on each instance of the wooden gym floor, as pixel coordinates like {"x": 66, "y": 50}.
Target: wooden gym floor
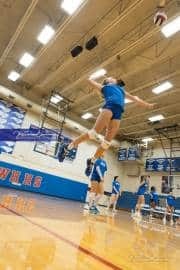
{"x": 55, "y": 234}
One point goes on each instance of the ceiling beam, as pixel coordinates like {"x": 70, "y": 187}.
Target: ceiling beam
{"x": 59, "y": 31}
{"x": 70, "y": 60}
{"x": 154, "y": 111}
{"x": 150, "y": 129}
{"x": 122, "y": 52}
{"x": 143, "y": 123}
{"x": 19, "y": 30}
{"x": 132, "y": 73}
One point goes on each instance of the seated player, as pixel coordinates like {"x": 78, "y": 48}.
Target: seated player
{"x": 97, "y": 184}
{"x": 115, "y": 193}
{"x": 154, "y": 198}
{"x": 144, "y": 183}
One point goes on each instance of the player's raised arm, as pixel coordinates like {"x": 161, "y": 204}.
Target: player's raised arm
{"x": 96, "y": 85}
{"x": 139, "y": 101}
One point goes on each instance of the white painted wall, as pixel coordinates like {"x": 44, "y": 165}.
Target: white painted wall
{"x": 24, "y": 155}
{"x": 131, "y": 183}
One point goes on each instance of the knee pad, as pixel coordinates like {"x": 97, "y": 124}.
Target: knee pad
{"x": 160, "y": 18}
{"x": 92, "y": 134}
{"x": 105, "y": 145}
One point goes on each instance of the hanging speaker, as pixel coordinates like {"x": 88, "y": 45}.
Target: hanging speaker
{"x": 92, "y": 43}
{"x": 76, "y": 51}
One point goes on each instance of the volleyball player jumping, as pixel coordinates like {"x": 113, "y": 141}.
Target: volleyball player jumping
{"x": 113, "y": 91}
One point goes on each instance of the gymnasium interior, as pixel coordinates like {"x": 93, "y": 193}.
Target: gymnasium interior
{"x": 48, "y": 51}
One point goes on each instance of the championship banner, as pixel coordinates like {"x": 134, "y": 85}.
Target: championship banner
{"x": 163, "y": 164}
{"x": 133, "y": 153}
{"x": 12, "y": 117}
{"x": 122, "y": 154}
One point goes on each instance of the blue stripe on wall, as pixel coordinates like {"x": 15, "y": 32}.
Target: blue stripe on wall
{"x": 37, "y": 181}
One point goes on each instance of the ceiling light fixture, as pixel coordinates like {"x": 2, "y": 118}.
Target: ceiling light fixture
{"x": 162, "y": 88}
{"x": 145, "y": 140}
{"x": 87, "y": 116}
{"x": 99, "y": 73}
{"x": 26, "y": 60}
{"x": 70, "y": 6}
{"x": 56, "y": 99}
{"x": 171, "y": 28}
{"x": 156, "y": 118}
{"x": 127, "y": 100}
{"x": 13, "y": 76}
{"x": 46, "y": 34}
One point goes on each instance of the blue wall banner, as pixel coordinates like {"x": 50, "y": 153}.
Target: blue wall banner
{"x": 133, "y": 153}
{"x": 162, "y": 164}
{"x": 27, "y": 135}
{"x": 11, "y": 117}
{"x": 122, "y": 154}
{"x": 22, "y": 178}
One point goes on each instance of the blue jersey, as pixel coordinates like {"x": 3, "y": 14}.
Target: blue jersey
{"x": 170, "y": 200}
{"x": 114, "y": 94}
{"x": 154, "y": 197}
{"x": 115, "y": 187}
{"x": 142, "y": 189}
{"x": 101, "y": 163}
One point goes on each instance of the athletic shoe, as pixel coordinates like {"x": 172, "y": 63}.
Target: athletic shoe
{"x": 62, "y": 152}
{"x": 96, "y": 210}
{"x": 93, "y": 210}
{"x": 89, "y": 166}
{"x": 65, "y": 152}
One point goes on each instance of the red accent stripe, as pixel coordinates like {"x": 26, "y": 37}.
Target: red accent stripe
{"x": 67, "y": 241}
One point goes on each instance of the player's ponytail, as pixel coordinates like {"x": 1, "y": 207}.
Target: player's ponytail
{"x": 153, "y": 189}
{"x": 105, "y": 82}
{"x": 121, "y": 83}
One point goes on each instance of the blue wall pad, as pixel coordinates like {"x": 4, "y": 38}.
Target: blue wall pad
{"x": 26, "y": 179}
{"x": 128, "y": 200}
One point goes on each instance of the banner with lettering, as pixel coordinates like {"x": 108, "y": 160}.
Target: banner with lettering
{"x": 133, "y": 153}
{"x": 122, "y": 154}
{"x": 12, "y": 117}
{"x": 22, "y": 178}
{"x": 163, "y": 164}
